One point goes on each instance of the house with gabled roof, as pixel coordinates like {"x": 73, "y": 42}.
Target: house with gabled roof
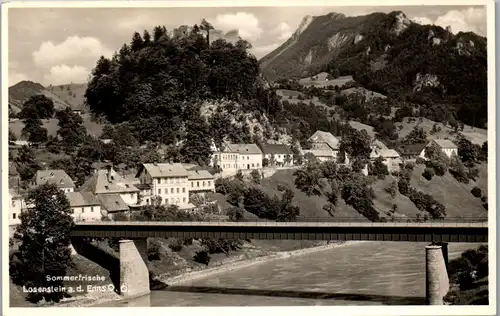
{"x": 166, "y": 182}
{"x": 446, "y": 146}
{"x": 107, "y": 185}
{"x": 200, "y": 180}
{"x": 55, "y": 176}
{"x": 278, "y": 154}
{"x": 85, "y": 206}
{"x": 233, "y": 157}
{"x": 323, "y": 143}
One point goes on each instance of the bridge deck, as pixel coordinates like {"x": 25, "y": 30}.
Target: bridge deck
{"x": 474, "y": 232}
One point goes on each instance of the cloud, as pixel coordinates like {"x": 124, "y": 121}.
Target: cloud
{"x": 73, "y": 51}
{"x": 64, "y": 74}
{"x": 467, "y": 20}
{"x": 261, "y": 51}
{"x": 284, "y": 31}
{"x": 15, "y": 77}
{"x": 247, "y": 24}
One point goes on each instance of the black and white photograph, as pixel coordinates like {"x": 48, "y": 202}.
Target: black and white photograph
{"x": 243, "y": 154}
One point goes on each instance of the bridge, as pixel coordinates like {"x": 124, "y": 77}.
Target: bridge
{"x": 133, "y": 244}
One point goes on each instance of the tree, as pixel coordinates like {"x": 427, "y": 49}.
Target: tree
{"x": 256, "y": 177}
{"x": 12, "y": 136}
{"x": 309, "y": 179}
{"x": 378, "y": 168}
{"x": 356, "y": 144}
{"x": 235, "y": 214}
{"x": 34, "y": 131}
{"x": 467, "y": 152}
{"x": 458, "y": 170}
{"x": 37, "y": 107}
{"x": 239, "y": 175}
{"x": 196, "y": 148}
{"x": 428, "y": 173}
{"x": 71, "y": 129}
{"x": 26, "y": 164}
{"x": 45, "y": 234}
{"x": 356, "y": 193}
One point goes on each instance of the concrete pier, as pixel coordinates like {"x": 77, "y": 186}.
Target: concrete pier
{"x": 437, "y": 282}
{"x": 134, "y": 274}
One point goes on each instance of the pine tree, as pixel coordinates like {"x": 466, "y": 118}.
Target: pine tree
{"x": 45, "y": 234}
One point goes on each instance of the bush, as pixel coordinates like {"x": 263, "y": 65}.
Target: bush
{"x": 476, "y": 192}
{"x": 255, "y": 176}
{"x": 420, "y": 161}
{"x": 392, "y": 189}
{"x": 403, "y": 186}
{"x": 202, "y": 257}
{"x": 235, "y": 214}
{"x": 188, "y": 241}
{"x": 484, "y": 199}
{"x": 176, "y": 245}
{"x": 154, "y": 248}
{"x": 485, "y": 205}
{"x": 428, "y": 173}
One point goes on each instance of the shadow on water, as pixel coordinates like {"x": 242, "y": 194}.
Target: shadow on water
{"x": 384, "y": 299}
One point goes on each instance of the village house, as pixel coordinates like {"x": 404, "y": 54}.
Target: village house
{"x": 16, "y": 205}
{"x": 200, "y": 181}
{"x": 277, "y": 154}
{"x": 323, "y": 143}
{"x": 166, "y": 182}
{"x": 446, "y": 146}
{"x": 412, "y": 151}
{"x": 85, "y": 206}
{"x": 390, "y": 157}
{"x": 58, "y": 177}
{"x": 115, "y": 193}
{"x": 234, "y": 157}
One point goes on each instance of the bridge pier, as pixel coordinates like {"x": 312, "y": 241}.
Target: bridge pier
{"x": 134, "y": 273}
{"x": 437, "y": 282}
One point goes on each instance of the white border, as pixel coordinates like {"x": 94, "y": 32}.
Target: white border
{"x": 220, "y": 311}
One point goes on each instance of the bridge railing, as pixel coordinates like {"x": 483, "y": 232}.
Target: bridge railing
{"x": 449, "y": 221}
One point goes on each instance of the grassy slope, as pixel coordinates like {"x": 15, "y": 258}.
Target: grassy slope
{"x": 66, "y": 92}
{"x": 475, "y": 135}
{"x": 383, "y": 201}
{"x": 455, "y": 196}
{"x": 309, "y": 206}
{"x": 52, "y": 127}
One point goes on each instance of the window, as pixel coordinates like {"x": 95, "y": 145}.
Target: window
{"x": 252, "y": 165}
{"x": 183, "y": 190}
{"x": 91, "y": 209}
{"x": 178, "y": 201}
{"x": 172, "y": 190}
{"x": 160, "y": 199}
{"x": 13, "y": 203}
{"x": 106, "y": 187}
{"x": 192, "y": 184}
{"x": 203, "y": 183}
{"x": 198, "y": 184}
{"x": 183, "y": 200}
{"x": 166, "y": 201}
{"x": 13, "y": 215}
{"x": 258, "y": 165}
{"x": 159, "y": 191}
{"x": 147, "y": 201}
{"x": 159, "y": 180}
{"x": 178, "y": 190}
{"x": 248, "y": 158}
{"x": 208, "y": 183}
{"x": 83, "y": 209}
{"x": 131, "y": 195}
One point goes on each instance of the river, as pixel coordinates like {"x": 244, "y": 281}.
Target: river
{"x": 368, "y": 273}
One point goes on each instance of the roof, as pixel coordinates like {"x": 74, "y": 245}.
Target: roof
{"x": 319, "y": 152}
{"x": 113, "y": 202}
{"x": 412, "y": 149}
{"x": 275, "y": 149}
{"x": 100, "y": 183}
{"x": 82, "y": 199}
{"x": 250, "y": 149}
{"x": 326, "y": 137}
{"x": 163, "y": 170}
{"x": 58, "y": 177}
{"x": 199, "y": 175}
{"x": 445, "y": 143}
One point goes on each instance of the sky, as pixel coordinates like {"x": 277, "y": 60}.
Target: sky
{"x": 61, "y": 45}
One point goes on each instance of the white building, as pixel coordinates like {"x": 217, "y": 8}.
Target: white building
{"x": 58, "y": 177}
{"x": 234, "y": 157}
{"x": 278, "y": 154}
{"x": 167, "y": 182}
{"x": 115, "y": 193}
{"x": 16, "y": 205}
{"x": 446, "y": 146}
{"x": 85, "y": 206}
{"x": 390, "y": 157}
{"x": 200, "y": 181}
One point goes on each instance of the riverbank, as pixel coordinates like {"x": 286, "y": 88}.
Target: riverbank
{"x": 249, "y": 258}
